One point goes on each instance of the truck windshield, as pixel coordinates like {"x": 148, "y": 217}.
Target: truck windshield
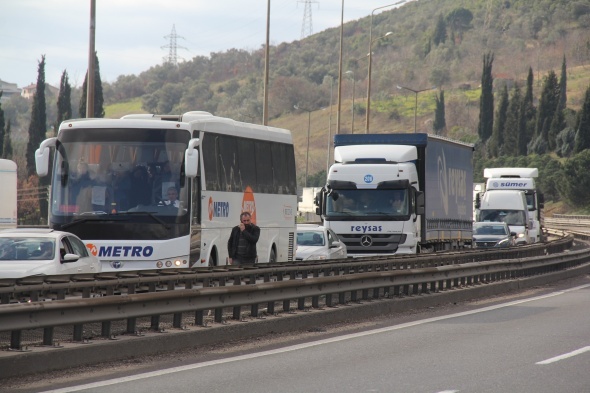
{"x": 510, "y": 217}
{"x": 367, "y": 203}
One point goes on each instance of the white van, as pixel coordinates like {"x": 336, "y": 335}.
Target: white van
{"x": 507, "y": 206}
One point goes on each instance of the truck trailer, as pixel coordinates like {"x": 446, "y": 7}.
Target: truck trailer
{"x": 399, "y": 193}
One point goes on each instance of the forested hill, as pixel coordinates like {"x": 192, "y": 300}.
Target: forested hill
{"x": 433, "y": 43}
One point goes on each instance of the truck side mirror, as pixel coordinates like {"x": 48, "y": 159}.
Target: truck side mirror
{"x": 420, "y": 203}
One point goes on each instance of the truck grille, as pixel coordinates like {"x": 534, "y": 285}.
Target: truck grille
{"x": 371, "y": 243}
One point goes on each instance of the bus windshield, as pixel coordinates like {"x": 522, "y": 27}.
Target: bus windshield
{"x": 104, "y": 172}
{"x": 373, "y": 202}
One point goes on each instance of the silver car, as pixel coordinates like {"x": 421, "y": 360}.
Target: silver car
{"x": 492, "y": 234}
{"x": 318, "y": 242}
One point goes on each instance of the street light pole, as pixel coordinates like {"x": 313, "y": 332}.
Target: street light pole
{"x": 369, "y": 76}
{"x": 370, "y": 58}
{"x": 308, "y": 131}
{"x": 330, "y": 126}
{"x": 340, "y": 70}
{"x": 353, "y": 86}
{"x": 266, "y": 62}
{"x": 416, "y": 101}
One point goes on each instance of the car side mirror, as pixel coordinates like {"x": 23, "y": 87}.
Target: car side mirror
{"x": 335, "y": 244}
{"x": 68, "y": 258}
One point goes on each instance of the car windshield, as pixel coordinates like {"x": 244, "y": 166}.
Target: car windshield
{"x": 310, "y": 238}
{"x": 26, "y": 248}
{"x": 490, "y": 230}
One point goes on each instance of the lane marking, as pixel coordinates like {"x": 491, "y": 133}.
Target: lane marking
{"x": 297, "y": 347}
{"x": 565, "y": 356}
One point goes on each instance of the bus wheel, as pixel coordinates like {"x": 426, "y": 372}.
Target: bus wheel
{"x": 273, "y": 256}
{"x": 213, "y": 258}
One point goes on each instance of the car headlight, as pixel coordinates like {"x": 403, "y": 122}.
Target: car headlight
{"x": 316, "y": 256}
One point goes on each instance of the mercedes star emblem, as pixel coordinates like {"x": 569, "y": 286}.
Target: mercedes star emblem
{"x": 366, "y": 241}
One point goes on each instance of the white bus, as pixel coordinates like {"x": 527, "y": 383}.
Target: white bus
{"x": 111, "y": 178}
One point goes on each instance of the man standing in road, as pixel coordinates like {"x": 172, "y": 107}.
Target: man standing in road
{"x": 241, "y": 246}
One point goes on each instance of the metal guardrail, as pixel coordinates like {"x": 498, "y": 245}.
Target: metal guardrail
{"x": 43, "y": 288}
{"x": 177, "y": 293}
{"x": 571, "y": 217}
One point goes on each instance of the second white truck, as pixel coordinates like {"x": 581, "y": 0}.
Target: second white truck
{"x": 522, "y": 179}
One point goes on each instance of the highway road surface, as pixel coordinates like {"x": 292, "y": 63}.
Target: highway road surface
{"x": 535, "y": 342}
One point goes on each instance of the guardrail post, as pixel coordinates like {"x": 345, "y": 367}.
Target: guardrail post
{"x": 376, "y": 293}
{"x": 78, "y": 332}
{"x": 270, "y": 306}
{"x": 16, "y": 339}
{"x": 301, "y": 300}
{"x": 315, "y": 300}
{"x": 407, "y": 290}
{"x": 177, "y": 320}
{"x": 254, "y": 310}
{"x": 199, "y": 318}
{"x": 218, "y": 314}
{"x": 48, "y": 336}
{"x": 105, "y": 330}
{"x": 329, "y": 300}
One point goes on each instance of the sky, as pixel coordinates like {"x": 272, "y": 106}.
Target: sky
{"x": 130, "y": 34}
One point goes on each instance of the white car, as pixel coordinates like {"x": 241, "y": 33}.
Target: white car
{"x": 318, "y": 242}
{"x": 36, "y": 252}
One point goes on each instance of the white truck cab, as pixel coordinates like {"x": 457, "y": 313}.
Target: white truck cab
{"x": 507, "y": 206}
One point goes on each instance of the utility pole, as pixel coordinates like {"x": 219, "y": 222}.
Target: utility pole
{"x": 91, "y": 62}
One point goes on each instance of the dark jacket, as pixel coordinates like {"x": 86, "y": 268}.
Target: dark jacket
{"x": 251, "y": 234}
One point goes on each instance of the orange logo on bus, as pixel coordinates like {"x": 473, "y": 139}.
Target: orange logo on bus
{"x": 248, "y": 203}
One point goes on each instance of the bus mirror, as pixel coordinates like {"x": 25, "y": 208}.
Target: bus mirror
{"x": 191, "y": 159}
{"x": 42, "y": 156}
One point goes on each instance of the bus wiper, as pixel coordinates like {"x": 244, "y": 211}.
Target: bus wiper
{"x": 150, "y": 214}
{"x": 76, "y": 222}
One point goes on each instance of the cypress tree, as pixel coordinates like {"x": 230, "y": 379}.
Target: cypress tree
{"x": 2, "y": 130}
{"x": 7, "y": 153}
{"x": 440, "y": 31}
{"x": 512, "y": 129}
{"x": 563, "y": 86}
{"x": 98, "y": 98}
{"x": 497, "y": 140}
{"x": 440, "y": 122}
{"x": 38, "y": 125}
{"x": 523, "y": 129}
{"x": 547, "y": 105}
{"x": 582, "y": 141}
{"x": 64, "y": 104}
{"x": 529, "y": 113}
{"x": 486, "y": 101}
